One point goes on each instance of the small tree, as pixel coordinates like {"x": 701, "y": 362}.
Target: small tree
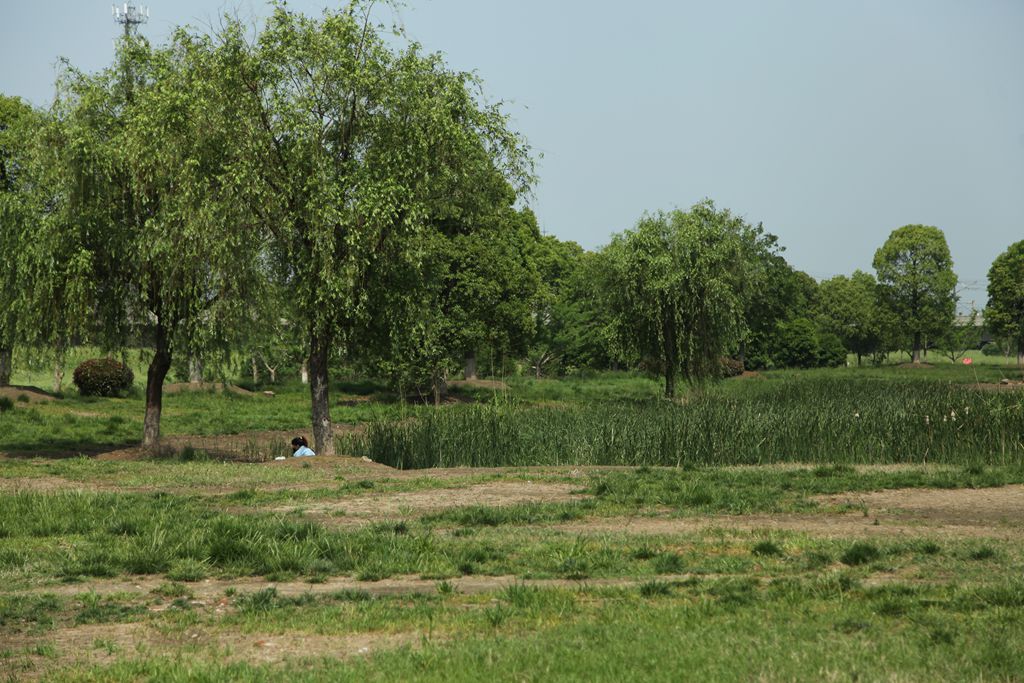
{"x": 961, "y": 336}
{"x": 1004, "y": 314}
{"x": 848, "y": 308}
{"x": 917, "y": 283}
{"x": 673, "y": 284}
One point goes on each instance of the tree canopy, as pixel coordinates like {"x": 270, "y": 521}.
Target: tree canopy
{"x": 1004, "y": 314}
{"x": 917, "y": 283}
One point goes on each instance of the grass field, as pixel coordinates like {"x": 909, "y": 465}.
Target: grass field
{"x": 793, "y": 541}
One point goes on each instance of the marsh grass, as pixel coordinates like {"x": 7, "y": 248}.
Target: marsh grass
{"x": 815, "y": 420}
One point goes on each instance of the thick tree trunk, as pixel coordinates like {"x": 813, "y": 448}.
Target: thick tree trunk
{"x": 273, "y": 375}
{"x": 859, "y": 358}
{"x": 5, "y": 367}
{"x": 915, "y": 357}
{"x": 255, "y": 370}
{"x": 318, "y": 351}
{"x": 195, "y": 370}
{"x": 470, "y": 365}
{"x": 669, "y": 346}
{"x": 304, "y": 372}
{"x": 158, "y": 368}
{"x": 58, "y": 375}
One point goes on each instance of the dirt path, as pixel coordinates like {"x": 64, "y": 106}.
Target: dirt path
{"x": 364, "y": 509}
{"x": 996, "y": 513}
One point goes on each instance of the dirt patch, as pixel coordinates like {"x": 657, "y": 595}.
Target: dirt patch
{"x": 103, "y": 644}
{"x": 18, "y": 394}
{"x": 178, "y": 387}
{"x": 365, "y": 509}
{"x": 957, "y": 513}
{"x": 1009, "y": 385}
{"x": 211, "y": 593}
{"x": 493, "y": 384}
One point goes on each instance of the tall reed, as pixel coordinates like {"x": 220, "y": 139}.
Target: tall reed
{"x": 804, "y": 420}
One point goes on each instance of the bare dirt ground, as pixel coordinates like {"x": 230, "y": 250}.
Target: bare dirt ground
{"x": 365, "y": 509}
{"x": 104, "y": 644}
{"x": 961, "y": 513}
{"x": 178, "y": 387}
{"x": 33, "y": 394}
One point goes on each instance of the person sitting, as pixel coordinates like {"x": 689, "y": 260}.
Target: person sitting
{"x": 300, "y": 448}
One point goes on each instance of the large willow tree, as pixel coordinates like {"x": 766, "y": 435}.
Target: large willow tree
{"x": 676, "y": 284}
{"x": 144, "y": 235}
{"x": 348, "y": 149}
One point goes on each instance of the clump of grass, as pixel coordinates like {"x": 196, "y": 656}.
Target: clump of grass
{"x": 188, "y": 569}
{"x": 983, "y": 553}
{"x": 655, "y": 589}
{"x": 860, "y": 553}
{"x": 6, "y": 404}
{"x": 668, "y": 563}
{"x": 767, "y": 548}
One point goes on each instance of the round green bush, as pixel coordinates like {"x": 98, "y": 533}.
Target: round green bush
{"x": 103, "y": 377}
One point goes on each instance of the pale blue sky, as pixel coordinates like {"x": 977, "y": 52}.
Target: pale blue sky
{"x": 832, "y": 122}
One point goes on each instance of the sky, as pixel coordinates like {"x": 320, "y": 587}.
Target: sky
{"x": 831, "y": 122}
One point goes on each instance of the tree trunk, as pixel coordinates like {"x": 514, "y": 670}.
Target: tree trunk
{"x": 255, "y": 371}
{"x": 669, "y": 347}
{"x": 158, "y": 368}
{"x": 470, "y": 365}
{"x": 915, "y": 357}
{"x": 5, "y": 366}
{"x": 858, "y": 360}
{"x": 58, "y": 374}
{"x": 273, "y": 375}
{"x": 435, "y": 380}
{"x": 318, "y": 390}
{"x": 304, "y": 372}
{"x": 195, "y": 370}
{"x": 1020, "y": 352}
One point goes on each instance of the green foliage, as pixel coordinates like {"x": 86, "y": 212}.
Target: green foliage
{"x": 6, "y": 404}
{"x": 103, "y": 377}
{"x": 849, "y": 310}
{"x": 1004, "y": 314}
{"x": 916, "y": 282}
{"x": 674, "y": 285}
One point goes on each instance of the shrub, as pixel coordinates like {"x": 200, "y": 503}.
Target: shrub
{"x": 5, "y": 404}
{"x": 103, "y": 377}
{"x": 831, "y": 352}
{"x": 731, "y": 367}
{"x": 796, "y": 344}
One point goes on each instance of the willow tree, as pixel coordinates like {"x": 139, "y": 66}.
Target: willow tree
{"x": 916, "y": 282}
{"x": 19, "y": 123}
{"x": 675, "y": 284}
{"x": 146, "y": 232}
{"x": 352, "y": 147}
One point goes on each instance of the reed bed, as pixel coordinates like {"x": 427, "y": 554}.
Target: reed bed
{"x": 814, "y": 420}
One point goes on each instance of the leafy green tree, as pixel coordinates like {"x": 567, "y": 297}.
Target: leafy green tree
{"x": 1004, "y": 314}
{"x": 19, "y": 123}
{"x": 350, "y": 148}
{"x": 474, "y": 288}
{"x": 917, "y": 283}
{"x": 848, "y": 308}
{"x": 674, "y": 286}
{"x": 145, "y": 210}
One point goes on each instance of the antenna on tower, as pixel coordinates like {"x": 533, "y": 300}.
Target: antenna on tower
{"x": 130, "y": 16}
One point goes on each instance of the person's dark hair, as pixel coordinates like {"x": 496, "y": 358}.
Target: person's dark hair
{"x": 300, "y": 441}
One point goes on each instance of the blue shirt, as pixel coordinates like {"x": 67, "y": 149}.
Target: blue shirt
{"x": 303, "y": 451}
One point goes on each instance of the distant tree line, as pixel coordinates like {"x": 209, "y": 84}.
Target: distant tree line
{"x": 311, "y": 196}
